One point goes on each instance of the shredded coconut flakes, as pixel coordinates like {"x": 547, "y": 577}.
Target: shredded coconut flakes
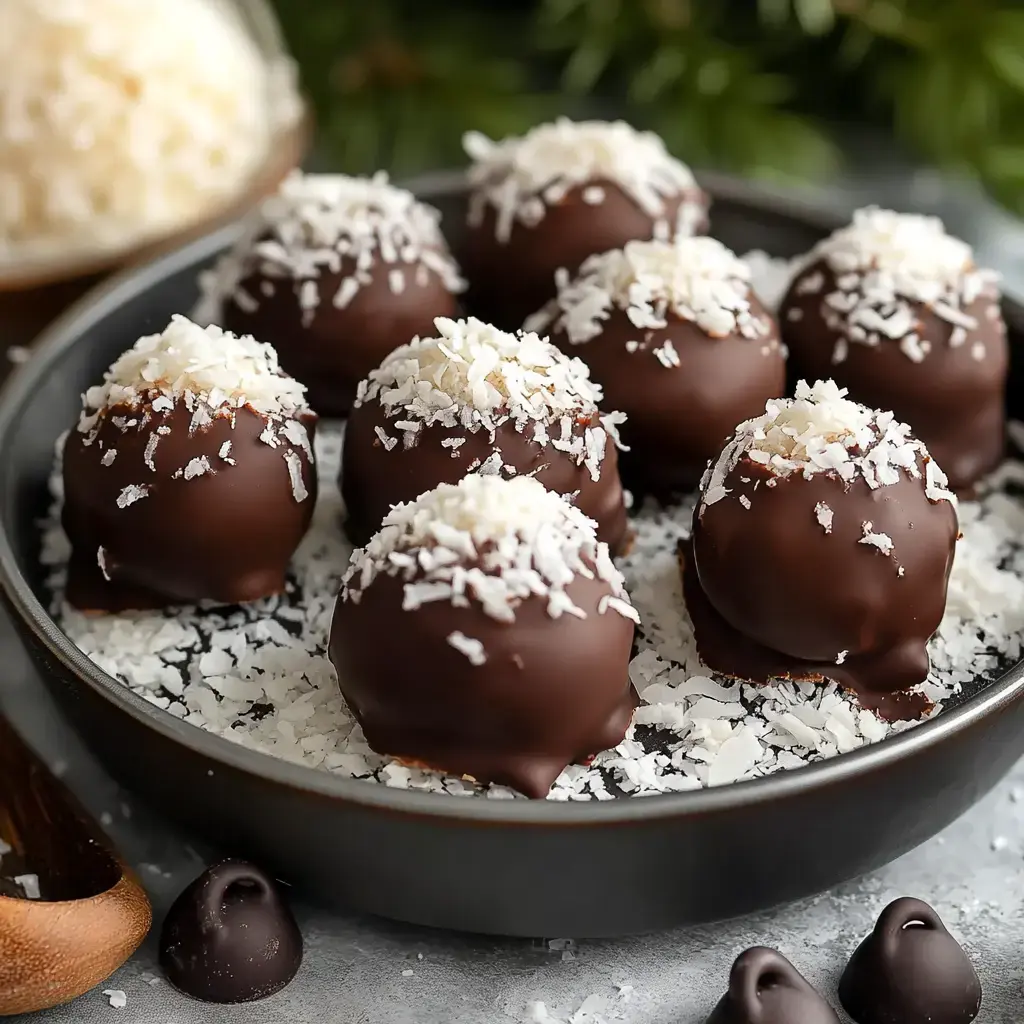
{"x": 694, "y": 279}
{"x": 319, "y": 224}
{"x": 885, "y": 263}
{"x": 476, "y": 377}
{"x": 822, "y": 431}
{"x": 496, "y": 541}
{"x": 520, "y": 176}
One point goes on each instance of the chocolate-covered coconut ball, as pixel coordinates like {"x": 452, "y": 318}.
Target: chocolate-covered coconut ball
{"x": 477, "y": 400}
{"x": 553, "y": 197}
{"x": 822, "y": 543}
{"x": 894, "y": 309}
{"x": 485, "y": 632}
{"x": 679, "y": 343}
{"x": 335, "y": 272}
{"x": 190, "y": 475}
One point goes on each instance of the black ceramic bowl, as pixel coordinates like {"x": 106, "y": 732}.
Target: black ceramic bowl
{"x": 531, "y": 868}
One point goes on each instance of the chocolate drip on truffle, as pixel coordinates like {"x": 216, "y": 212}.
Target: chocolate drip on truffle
{"x": 679, "y": 343}
{"x": 559, "y": 194}
{"x": 894, "y": 309}
{"x": 515, "y": 632}
{"x": 180, "y": 487}
{"x": 476, "y": 399}
{"x": 822, "y": 546}
{"x": 335, "y": 273}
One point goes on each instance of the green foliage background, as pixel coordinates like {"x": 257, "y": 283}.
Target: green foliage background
{"x": 746, "y": 85}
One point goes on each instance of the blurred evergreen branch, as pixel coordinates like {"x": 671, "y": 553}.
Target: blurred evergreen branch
{"x": 741, "y": 84}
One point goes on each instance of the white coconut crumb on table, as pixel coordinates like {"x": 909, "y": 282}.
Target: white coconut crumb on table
{"x": 260, "y": 676}
{"x": 29, "y": 885}
{"x": 335, "y": 224}
{"x": 117, "y": 999}
{"x": 474, "y": 377}
{"x": 693, "y": 279}
{"x": 520, "y": 176}
{"x": 123, "y": 120}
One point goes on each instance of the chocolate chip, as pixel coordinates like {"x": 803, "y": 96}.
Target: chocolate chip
{"x": 910, "y": 970}
{"x": 765, "y": 988}
{"x": 230, "y": 937}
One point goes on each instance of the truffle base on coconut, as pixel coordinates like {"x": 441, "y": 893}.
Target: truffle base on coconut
{"x": 552, "y": 691}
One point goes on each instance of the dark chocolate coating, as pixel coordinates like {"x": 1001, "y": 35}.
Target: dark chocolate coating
{"x": 679, "y": 417}
{"x": 953, "y": 402}
{"x": 374, "y": 479}
{"x": 765, "y": 988}
{"x": 341, "y": 346}
{"x": 230, "y": 937}
{"x": 225, "y": 536}
{"x": 771, "y": 594}
{"x": 910, "y": 970}
{"x": 551, "y": 692}
{"x": 510, "y": 280}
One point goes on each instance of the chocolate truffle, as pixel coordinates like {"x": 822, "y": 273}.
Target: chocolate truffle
{"x": 894, "y": 309}
{"x": 335, "y": 272}
{"x": 765, "y": 988}
{"x": 475, "y": 399}
{"x": 910, "y": 970}
{"x": 485, "y": 632}
{"x": 679, "y": 343}
{"x": 190, "y": 475}
{"x": 558, "y": 194}
{"x": 823, "y": 538}
{"x": 230, "y": 937}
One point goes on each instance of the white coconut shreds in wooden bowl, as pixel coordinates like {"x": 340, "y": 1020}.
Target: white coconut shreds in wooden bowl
{"x": 259, "y": 675}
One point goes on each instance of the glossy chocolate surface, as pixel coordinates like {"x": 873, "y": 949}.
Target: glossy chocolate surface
{"x": 230, "y": 937}
{"x": 374, "y": 479}
{"x": 678, "y": 417}
{"x": 225, "y": 536}
{"x": 771, "y": 594}
{"x": 340, "y": 346}
{"x": 952, "y": 401}
{"x": 765, "y": 988}
{"x": 910, "y": 970}
{"x": 551, "y": 692}
{"x": 508, "y": 281}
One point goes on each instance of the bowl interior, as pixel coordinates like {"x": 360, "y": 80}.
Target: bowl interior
{"x": 142, "y": 303}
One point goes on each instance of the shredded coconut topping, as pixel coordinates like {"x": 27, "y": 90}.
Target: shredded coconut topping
{"x": 120, "y": 120}
{"x": 694, "y": 279}
{"x": 521, "y": 176}
{"x": 329, "y": 223}
{"x": 493, "y": 541}
{"x": 207, "y": 366}
{"x": 476, "y": 377}
{"x": 822, "y": 431}
{"x": 885, "y": 263}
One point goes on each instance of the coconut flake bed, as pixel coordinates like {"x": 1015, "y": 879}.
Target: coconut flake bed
{"x": 259, "y": 674}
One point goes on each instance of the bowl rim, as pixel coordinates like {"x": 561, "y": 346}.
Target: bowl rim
{"x": 102, "y": 300}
